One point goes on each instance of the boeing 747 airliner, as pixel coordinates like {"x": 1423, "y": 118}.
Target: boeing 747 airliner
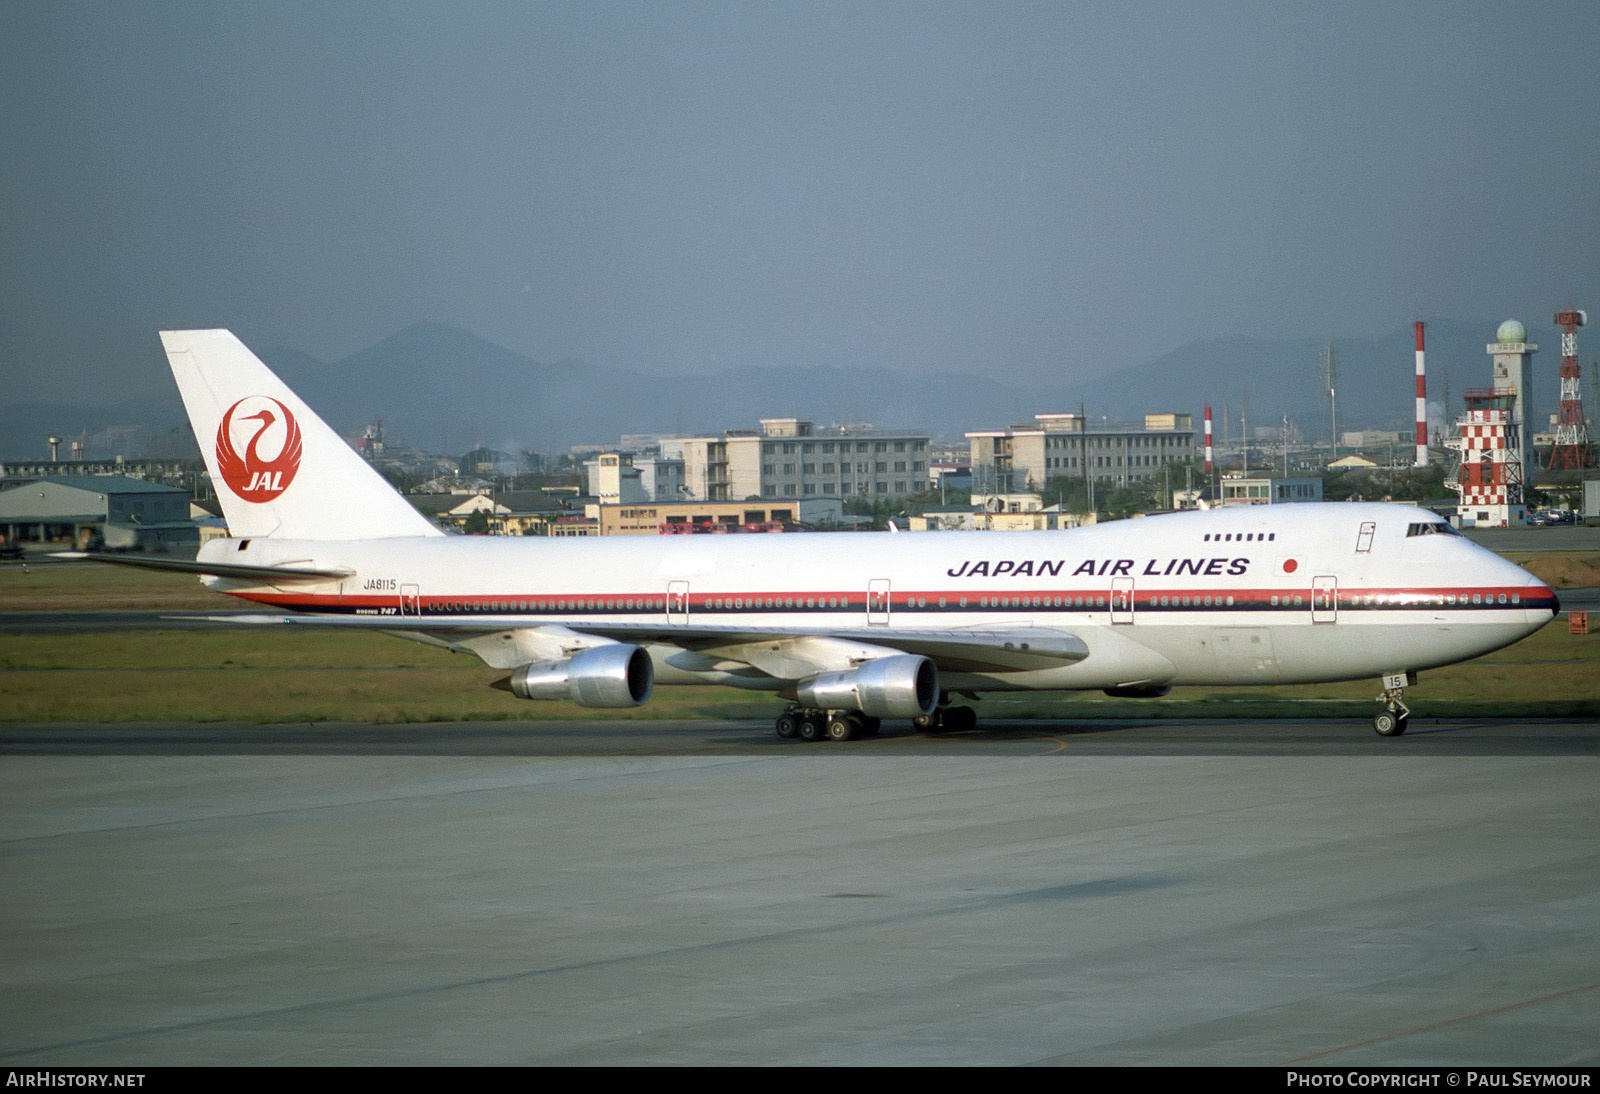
{"x": 850, "y": 627}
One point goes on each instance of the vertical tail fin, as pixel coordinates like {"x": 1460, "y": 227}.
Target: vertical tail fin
{"x": 278, "y": 469}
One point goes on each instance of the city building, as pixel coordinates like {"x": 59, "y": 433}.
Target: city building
{"x": 1024, "y": 458}
{"x": 949, "y": 474}
{"x": 624, "y": 477}
{"x": 791, "y": 458}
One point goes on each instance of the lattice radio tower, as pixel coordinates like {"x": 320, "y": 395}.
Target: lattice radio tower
{"x": 1573, "y": 448}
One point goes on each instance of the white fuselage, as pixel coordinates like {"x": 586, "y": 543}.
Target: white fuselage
{"x": 1271, "y": 594}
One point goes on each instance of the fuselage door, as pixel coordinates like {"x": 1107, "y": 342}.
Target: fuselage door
{"x": 1364, "y": 537}
{"x": 878, "y": 600}
{"x": 1122, "y": 600}
{"x": 409, "y": 600}
{"x": 677, "y": 602}
{"x": 1324, "y": 599}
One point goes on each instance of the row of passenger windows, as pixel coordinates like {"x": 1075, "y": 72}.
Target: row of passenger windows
{"x": 838, "y": 602}
{"x": 626, "y": 604}
{"x": 725, "y": 602}
{"x": 1195, "y": 601}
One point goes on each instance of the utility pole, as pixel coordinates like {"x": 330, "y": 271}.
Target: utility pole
{"x": 1244, "y": 434}
{"x": 1331, "y": 370}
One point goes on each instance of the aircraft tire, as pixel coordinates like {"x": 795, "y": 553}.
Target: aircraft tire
{"x": 842, "y": 727}
{"x": 812, "y": 727}
{"x": 788, "y": 725}
{"x": 1388, "y": 723}
{"x": 960, "y": 719}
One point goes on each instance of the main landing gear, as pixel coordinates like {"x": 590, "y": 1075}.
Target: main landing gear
{"x": 810, "y": 724}
{"x": 948, "y": 719}
{"x": 1392, "y": 719}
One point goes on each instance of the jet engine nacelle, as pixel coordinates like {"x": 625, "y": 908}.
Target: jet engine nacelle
{"x": 903, "y": 686}
{"x": 616, "y": 675}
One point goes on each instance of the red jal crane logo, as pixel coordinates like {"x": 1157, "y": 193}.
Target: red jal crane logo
{"x": 272, "y": 452}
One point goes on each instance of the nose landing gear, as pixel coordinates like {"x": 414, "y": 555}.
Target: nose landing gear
{"x": 1392, "y": 719}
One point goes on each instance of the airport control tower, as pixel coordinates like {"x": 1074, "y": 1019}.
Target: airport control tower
{"x": 1495, "y": 445}
{"x": 1513, "y": 376}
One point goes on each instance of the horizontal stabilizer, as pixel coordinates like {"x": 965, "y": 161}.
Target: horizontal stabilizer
{"x": 215, "y": 569}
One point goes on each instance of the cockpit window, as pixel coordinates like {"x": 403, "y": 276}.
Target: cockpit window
{"x": 1430, "y": 528}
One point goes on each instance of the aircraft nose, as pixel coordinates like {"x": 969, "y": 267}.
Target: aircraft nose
{"x": 1538, "y": 598}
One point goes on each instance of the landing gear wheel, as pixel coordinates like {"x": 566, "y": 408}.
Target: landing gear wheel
{"x": 812, "y": 725}
{"x": 1389, "y": 723}
{"x": 842, "y": 727}
{"x": 788, "y": 725}
{"x": 960, "y": 719}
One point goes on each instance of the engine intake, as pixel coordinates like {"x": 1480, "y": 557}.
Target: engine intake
{"x": 617, "y": 675}
{"x": 903, "y": 686}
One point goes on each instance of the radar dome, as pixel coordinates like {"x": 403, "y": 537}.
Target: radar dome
{"x": 1511, "y": 331}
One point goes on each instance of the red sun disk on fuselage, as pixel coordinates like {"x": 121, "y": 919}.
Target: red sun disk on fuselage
{"x": 253, "y": 476}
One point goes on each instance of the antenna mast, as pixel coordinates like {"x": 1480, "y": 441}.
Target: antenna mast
{"x": 1572, "y": 449}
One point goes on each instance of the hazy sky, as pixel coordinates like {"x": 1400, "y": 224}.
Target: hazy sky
{"x": 1026, "y": 190}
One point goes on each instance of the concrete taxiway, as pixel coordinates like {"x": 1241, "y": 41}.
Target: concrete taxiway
{"x": 579, "y": 893}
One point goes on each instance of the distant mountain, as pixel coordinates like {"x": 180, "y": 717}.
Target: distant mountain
{"x": 1376, "y": 378}
{"x": 445, "y": 390}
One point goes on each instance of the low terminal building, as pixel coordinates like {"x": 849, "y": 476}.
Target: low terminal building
{"x": 92, "y": 512}
{"x": 1372, "y": 438}
{"x": 718, "y": 517}
{"x": 506, "y": 513}
{"x": 1242, "y": 489}
{"x": 999, "y": 513}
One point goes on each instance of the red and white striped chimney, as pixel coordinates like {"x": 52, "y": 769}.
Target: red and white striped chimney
{"x": 1208, "y": 440}
{"x": 1422, "y": 404}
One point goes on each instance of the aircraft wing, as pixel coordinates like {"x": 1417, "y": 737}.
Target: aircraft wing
{"x": 782, "y": 652}
{"x": 791, "y": 653}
